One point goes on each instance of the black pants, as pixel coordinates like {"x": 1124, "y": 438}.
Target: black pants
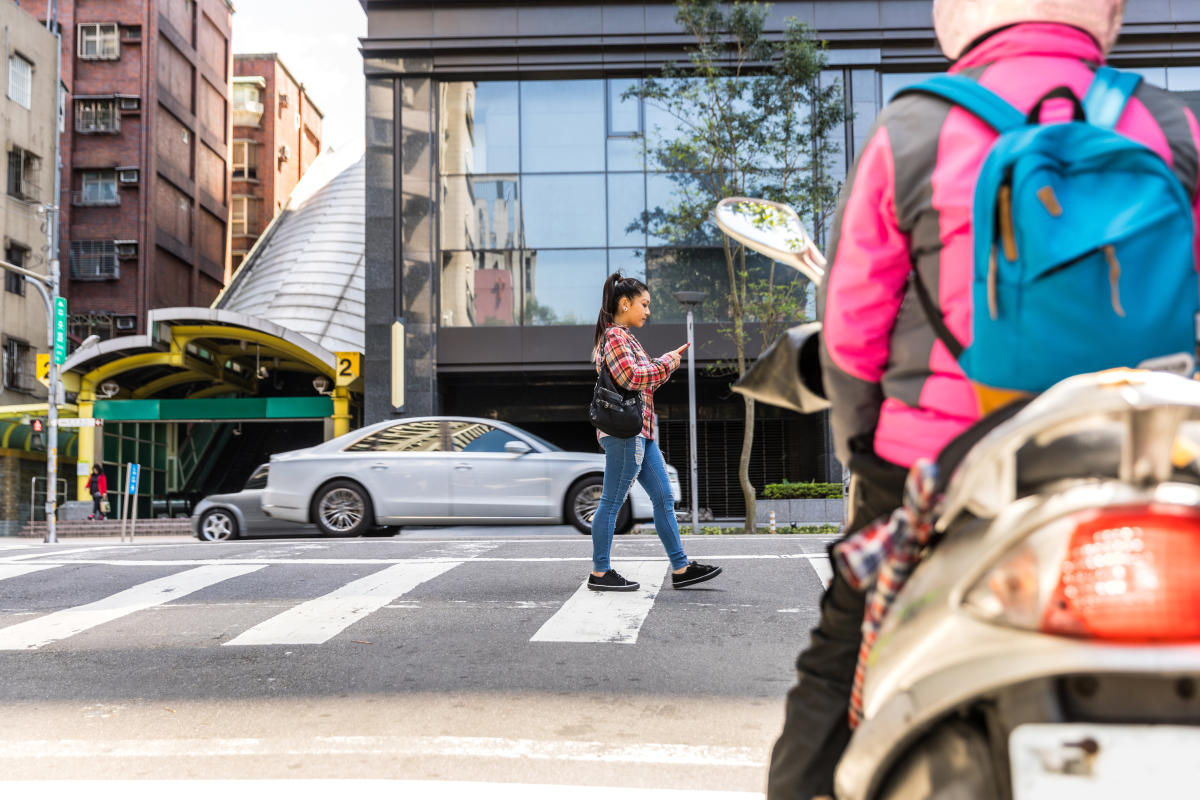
{"x": 816, "y": 729}
{"x": 96, "y": 512}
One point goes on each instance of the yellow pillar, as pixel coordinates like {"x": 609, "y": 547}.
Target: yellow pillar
{"x": 341, "y": 411}
{"x": 87, "y": 447}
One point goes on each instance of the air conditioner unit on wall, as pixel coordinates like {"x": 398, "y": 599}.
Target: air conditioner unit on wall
{"x": 127, "y": 175}
{"x": 127, "y": 248}
{"x": 126, "y": 323}
{"x": 129, "y": 102}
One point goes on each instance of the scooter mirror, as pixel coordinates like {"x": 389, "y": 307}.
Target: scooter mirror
{"x": 788, "y": 373}
{"x": 773, "y": 229}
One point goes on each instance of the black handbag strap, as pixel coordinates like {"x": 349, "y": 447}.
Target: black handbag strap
{"x": 935, "y": 316}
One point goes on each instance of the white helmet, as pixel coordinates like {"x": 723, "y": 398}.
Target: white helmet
{"x": 960, "y": 22}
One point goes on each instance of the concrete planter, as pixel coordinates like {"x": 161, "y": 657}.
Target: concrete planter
{"x": 818, "y": 511}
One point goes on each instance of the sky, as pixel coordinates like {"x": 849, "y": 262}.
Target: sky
{"x": 318, "y": 41}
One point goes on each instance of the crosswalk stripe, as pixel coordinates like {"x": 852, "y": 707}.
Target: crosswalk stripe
{"x": 319, "y": 620}
{"x": 823, "y": 569}
{"x": 34, "y": 633}
{"x": 16, "y": 570}
{"x": 615, "y": 617}
{"x": 483, "y": 747}
{"x": 321, "y": 788}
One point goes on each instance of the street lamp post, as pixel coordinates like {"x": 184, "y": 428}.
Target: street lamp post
{"x": 690, "y": 300}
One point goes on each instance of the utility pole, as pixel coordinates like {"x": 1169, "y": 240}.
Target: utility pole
{"x": 56, "y": 306}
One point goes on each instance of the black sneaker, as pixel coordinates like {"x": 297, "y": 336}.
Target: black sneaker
{"x": 695, "y": 573}
{"x": 611, "y": 582}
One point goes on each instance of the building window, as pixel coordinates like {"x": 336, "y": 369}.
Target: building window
{"x": 99, "y": 188}
{"x": 23, "y": 169}
{"x": 238, "y": 257}
{"x": 247, "y": 97}
{"x": 98, "y": 40}
{"x": 18, "y": 365}
{"x": 245, "y": 161}
{"x": 94, "y": 260}
{"x": 244, "y": 217}
{"x": 13, "y": 281}
{"x": 97, "y": 322}
{"x": 97, "y": 116}
{"x": 20, "y": 81}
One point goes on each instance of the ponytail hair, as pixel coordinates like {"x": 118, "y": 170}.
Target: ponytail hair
{"x": 616, "y": 288}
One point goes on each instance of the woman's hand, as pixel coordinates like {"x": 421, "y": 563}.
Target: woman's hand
{"x": 679, "y": 351}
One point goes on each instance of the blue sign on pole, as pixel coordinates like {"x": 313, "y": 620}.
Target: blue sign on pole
{"x": 134, "y": 469}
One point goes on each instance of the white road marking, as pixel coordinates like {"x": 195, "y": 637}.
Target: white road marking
{"x": 399, "y": 746}
{"x": 823, "y": 568}
{"x": 607, "y": 616}
{"x": 196, "y": 562}
{"x": 15, "y": 570}
{"x": 57, "y": 552}
{"x": 333, "y": 787}
{"x": 57, "y": 625}
{"x": 322, "y": 618}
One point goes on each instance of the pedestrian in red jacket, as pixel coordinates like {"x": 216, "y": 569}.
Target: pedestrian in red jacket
{"x": 97, "y": 484}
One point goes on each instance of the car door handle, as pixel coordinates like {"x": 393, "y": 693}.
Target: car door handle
{"x": 463, "y": 466}
{"x": 379, "y": 465}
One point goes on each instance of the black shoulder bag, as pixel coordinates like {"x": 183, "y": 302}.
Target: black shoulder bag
{"x": 614, "y": 410}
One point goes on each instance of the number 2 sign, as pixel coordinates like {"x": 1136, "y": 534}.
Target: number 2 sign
{"x": 348, "y": 367}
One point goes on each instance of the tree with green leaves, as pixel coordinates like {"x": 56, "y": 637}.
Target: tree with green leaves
{"x": 752, "y": 116}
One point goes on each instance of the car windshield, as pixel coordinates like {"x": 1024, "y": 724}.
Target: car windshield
{"x": 258, "y": 479}
{"x": 551, "y": 447}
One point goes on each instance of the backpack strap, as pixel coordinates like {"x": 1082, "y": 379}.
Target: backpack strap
{"x": 992, "y": 110}
{"x": 985, "y": 104}
{"x": 1109, "y": 94}
{"x": 937, "y": 320}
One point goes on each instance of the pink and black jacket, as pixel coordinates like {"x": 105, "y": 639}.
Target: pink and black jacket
{"x": 895, "y": 388}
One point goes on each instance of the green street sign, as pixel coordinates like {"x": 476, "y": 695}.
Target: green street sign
{"x": 60, "y": 330}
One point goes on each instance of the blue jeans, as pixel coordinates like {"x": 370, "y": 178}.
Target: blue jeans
{"x": 624, "y": 460}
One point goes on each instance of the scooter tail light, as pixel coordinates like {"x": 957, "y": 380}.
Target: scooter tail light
{"x": 1127, "y": 574}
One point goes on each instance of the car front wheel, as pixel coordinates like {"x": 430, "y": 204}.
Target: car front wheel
{"x": 342, "y": 508}
{"x": 583, "y": 499}
{"x": 218, "y": 525}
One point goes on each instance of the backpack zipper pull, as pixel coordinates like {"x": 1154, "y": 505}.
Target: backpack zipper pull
{"x": 993, "y": 305}
{"x": 1007, "y": 229}
{"x": 1114, "y": 276}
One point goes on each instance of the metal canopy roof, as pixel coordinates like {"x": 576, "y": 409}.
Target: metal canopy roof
{"x": 306, "y": 272}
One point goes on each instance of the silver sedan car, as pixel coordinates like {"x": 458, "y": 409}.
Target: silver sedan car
{"x": 219, "y": 517}
{"x": 442, "y": 471}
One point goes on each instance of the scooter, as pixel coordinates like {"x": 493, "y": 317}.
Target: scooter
{"x": 1048, "y": 648}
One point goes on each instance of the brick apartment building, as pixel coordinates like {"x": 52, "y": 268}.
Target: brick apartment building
{"x": 145, "y": 182}
{"x": 276, "y": 135}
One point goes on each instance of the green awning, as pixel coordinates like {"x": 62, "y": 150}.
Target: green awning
{"x": 211, "y": 409}
{"x": 15, "y": 436}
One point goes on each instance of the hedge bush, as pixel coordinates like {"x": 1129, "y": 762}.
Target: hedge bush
{"x": 801, "y": 491}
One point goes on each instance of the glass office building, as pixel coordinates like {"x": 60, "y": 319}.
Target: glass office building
{"x": 507, "y": 172}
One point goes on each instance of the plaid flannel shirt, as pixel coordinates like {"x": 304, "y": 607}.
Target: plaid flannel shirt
{"x": 634, "y": 370}
{"x": 879, "y": 560}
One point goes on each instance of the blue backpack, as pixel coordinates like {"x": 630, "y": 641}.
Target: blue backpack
{"x": 1084, "y": 253}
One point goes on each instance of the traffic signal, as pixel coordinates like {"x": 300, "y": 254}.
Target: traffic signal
{"x": 38, "y": 425}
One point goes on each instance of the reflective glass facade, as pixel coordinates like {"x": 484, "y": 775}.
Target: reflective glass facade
{"x": 544, "y": 185}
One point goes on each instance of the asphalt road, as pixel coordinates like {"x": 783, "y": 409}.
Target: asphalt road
{"x": 433, "y": 659}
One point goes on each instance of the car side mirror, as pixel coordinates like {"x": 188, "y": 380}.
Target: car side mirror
{"x": 517, "y": 447}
